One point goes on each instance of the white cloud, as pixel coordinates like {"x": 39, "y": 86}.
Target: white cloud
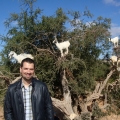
{"x": 113, "y": 2}
{"x": 115, "y": 30}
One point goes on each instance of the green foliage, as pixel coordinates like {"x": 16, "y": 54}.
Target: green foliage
{"x": 97, "y": 112}
{"x": 86, "y": 116}
{"x": 113, "y": 99}
{"x": 34, "y": 33}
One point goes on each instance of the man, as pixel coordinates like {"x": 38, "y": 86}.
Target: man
{"x": 28, "y": 98}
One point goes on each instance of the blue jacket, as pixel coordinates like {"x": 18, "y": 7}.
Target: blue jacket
{"x": 41, "y": 102}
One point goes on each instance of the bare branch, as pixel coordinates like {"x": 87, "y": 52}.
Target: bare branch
{"x": 39, "y": 50}
{"x": 99, "y": 87}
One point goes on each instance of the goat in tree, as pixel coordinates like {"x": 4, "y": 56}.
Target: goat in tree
{"x": 113, "y": 59}
{"x": 115, "y": 41}
{"x": 61, "y": 46}
{"x": 19, "y": 57}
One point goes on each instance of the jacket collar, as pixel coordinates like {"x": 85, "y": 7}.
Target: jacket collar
{"x": 19, "y": 82}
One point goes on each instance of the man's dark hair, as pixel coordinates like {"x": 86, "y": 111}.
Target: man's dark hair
{"x": 28, "y": 60}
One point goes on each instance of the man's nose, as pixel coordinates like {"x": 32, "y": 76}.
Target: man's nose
{"x": 28, "y": 71}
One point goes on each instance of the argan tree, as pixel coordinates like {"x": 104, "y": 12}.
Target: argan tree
{"x": 75, "y": 81}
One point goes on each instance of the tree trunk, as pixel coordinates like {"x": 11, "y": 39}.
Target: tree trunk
{"x": 65, "y": 106}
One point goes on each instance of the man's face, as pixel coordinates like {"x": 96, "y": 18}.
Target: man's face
{"x": 27, "y": 71}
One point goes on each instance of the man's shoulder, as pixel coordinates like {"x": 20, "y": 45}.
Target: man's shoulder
{"x": 13, "y": 85}
{"x": 39, "y": 82}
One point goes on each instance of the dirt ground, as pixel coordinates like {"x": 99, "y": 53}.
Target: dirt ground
{"x": 1, "y": 113}
{"x": 111, "y": 117}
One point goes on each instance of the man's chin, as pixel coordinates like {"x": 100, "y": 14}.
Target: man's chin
{"x": 28, "y": 78}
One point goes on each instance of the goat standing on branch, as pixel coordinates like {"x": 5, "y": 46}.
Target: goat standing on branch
{"x": 19, "y": 57}
{"x": 115, "y": 41}
{"x": 113, "y": 59}
{"x": 61, "y": 46}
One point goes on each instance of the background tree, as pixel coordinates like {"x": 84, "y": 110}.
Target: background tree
{"x": 72, "y": 79}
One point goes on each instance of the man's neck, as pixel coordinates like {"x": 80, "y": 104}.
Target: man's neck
{"x": 26, "y": 83}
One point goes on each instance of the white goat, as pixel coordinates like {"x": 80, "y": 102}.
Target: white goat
{"x": 61, "y": 46}
{"x": 19, "y": 57}
{"x": 115, "y": 41}
{"x": 113, "y": 59}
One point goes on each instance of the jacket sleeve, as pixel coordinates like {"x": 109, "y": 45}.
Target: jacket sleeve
{"x": 48, "y": 106}
{"x": 8, "y": 114}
